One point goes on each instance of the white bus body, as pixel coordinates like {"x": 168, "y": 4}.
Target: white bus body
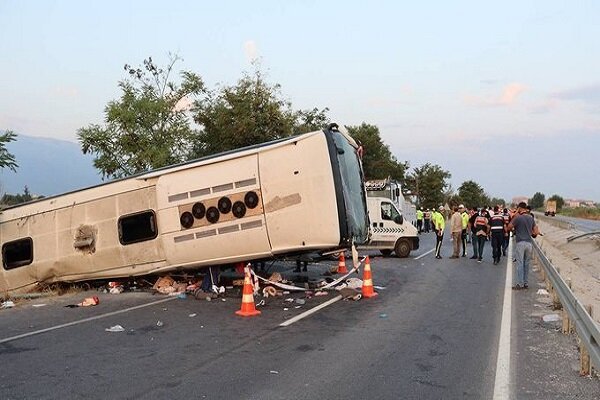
{"x": 297, "y": 194}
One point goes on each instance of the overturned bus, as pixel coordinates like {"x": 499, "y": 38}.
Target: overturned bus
{"x": 297, "y": 194}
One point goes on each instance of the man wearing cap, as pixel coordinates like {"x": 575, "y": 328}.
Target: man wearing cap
{"x": 522, "y": 224}
{"x": 427, "y": 220}
{"x": 456, "y": 231}
{"x": 420, "y": 220}
{"x": 439, "y": 224}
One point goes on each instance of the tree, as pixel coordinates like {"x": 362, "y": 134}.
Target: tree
{"x": 148, "y": 127}
{"x": 7, "y": 160}
{"x": 428, "y": 183}
{"x": 560, "y": 202}
{"x": 473, "y": 194}
{"x": 13, "y": 199}
{"x": 497, "y": 201}
{"x": 378, "y": 161}
{"x": 537, "y": 201}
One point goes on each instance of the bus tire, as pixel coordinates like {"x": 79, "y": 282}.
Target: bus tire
{"x": 385, "y": 252}
{"x": 402, "y": 248}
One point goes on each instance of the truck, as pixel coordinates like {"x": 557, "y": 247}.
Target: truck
{"x": 392, "y": 190}
{"x": 390, "y": 231}
{"x": 291, "y": 196}
{"x": 550, "y": 208}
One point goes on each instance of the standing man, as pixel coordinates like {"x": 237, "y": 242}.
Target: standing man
{"x": 439, "y": 225}
{"x": 464, "y": 215}
{"x": 497, "y": 229}
{"x": 456, "y": 232}
{"x": 427, "y": 219}
{"x": 482, "y": 230}
{"x": 420, "y": 220}
{"x": 523, "y": 225}
{"x": 474, "y": 238}
{"x": 506, "y": 217}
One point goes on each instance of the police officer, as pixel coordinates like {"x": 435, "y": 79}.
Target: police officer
{"x": 420, "y": 220}
{"x": 427, "y": 220}
{"x": 497, "y": 229}
{"x": 465, "y": 222}
{"x": 439, "y": 225}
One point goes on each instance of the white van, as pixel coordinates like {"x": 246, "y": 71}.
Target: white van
{"x": 390, "y": 231}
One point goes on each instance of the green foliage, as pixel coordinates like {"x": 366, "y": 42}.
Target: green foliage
{"x": 14, "y": 199}
{"x": 378, "y": 161}
{"x": 252, "y": 111}
{"x": 497, "y": 201}
{"x": 537, "y": 201}
{"x": 560, "y": 202}
{"x": 148, "y": 127}
{"x": 473, "y": 194}
{"x": 428, "y": 183}
{"x": 7, "y": 160}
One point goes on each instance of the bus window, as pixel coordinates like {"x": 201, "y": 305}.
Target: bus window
{"x": 17, "y": 253}
{"x": 137, "y": 227}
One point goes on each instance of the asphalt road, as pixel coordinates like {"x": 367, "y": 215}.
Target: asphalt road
{"x": 432, "y": 333}
{"x": 581, "y": 224}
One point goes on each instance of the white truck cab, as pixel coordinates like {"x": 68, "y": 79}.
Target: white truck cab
{"x": 390, "y": 231}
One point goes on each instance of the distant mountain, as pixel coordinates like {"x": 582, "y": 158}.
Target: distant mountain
{"x": 47, "y": 167}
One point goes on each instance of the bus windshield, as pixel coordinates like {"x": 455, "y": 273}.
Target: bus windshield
{"x": 352, "y": 187}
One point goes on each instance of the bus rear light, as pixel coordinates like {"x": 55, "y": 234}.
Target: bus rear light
{"x": 187, "y": 220}
{"x": 239, "y": 209}
{"x": 251, "y": 200}
{"x": 224, "y": 205}
{"x": 198, "y": 210}
{"x": 212, "y": 215}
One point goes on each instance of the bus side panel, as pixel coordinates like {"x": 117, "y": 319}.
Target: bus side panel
{"x": 299, "y": 196}
{"x": 231, "y": 238}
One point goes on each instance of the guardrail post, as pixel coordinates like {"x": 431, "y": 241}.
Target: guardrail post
{"x": 585, "y": 368}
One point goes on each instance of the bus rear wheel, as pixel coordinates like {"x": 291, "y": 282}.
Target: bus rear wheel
{"x": 402, "y": 248}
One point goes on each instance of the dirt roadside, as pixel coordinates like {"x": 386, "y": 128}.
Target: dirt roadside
{"x": 577, "y": 261}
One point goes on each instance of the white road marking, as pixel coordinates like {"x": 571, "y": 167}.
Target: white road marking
{"x": 311, "y": 311}
{"x": 424, "y": 254}
{"x": 81, "y": 321}
{"x": 502, "y": 383}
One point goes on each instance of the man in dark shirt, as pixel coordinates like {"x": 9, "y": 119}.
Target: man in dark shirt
{"x": 522, "y": 224}
{"x": 497, "y": 234}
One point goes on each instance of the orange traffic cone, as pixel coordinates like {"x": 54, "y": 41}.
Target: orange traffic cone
{"x": 342, "y": 264}
{"x": 367, "y": 287}
{"x": 248, "y": 309}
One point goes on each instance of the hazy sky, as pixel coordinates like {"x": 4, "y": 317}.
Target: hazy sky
{"x": 506, "y": 93}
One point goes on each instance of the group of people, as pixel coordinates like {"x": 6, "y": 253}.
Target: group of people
{"x": 485, "y": 224}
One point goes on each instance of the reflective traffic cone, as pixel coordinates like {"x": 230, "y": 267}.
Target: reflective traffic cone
{"x": 342, "y": 264}
{"x": 367, "y": 287}
{"x": 248, "y": 309}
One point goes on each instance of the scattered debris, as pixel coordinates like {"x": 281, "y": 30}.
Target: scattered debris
{"x": 379, "y": 287}
{"x": 383, "y": 315}
{"x": 159, "y": 323}
{"x": 192, "y": 315}
{"x": 321, "y": 293}
{"x": 274, "y": 372}
{"x": 8, "y": 304}
{"x": 87, "y": 302}
{"x": 116, "y": 328}
{"x": 551, "y": 318}
{"x": 38, "y": 305}
{"x": 543, "y": 292}
{"x": 300, "y": 301}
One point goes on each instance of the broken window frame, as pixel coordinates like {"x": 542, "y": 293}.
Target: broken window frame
{"x": 152, "y": 227}
{"x": 8, "y": 263}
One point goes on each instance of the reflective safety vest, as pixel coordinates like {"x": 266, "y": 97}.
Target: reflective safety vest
{"x": 419, "y": 215}
{"x": 497, "y": 222}
{"x": 465, "y": 219}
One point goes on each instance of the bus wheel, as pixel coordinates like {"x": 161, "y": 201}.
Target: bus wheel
{"x": 385, "y": 252}
{"x": 402, "y": 248}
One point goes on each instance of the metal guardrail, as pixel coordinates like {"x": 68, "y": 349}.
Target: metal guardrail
{"x": 571, "y": 238}
{"x": 586, "y": 327}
